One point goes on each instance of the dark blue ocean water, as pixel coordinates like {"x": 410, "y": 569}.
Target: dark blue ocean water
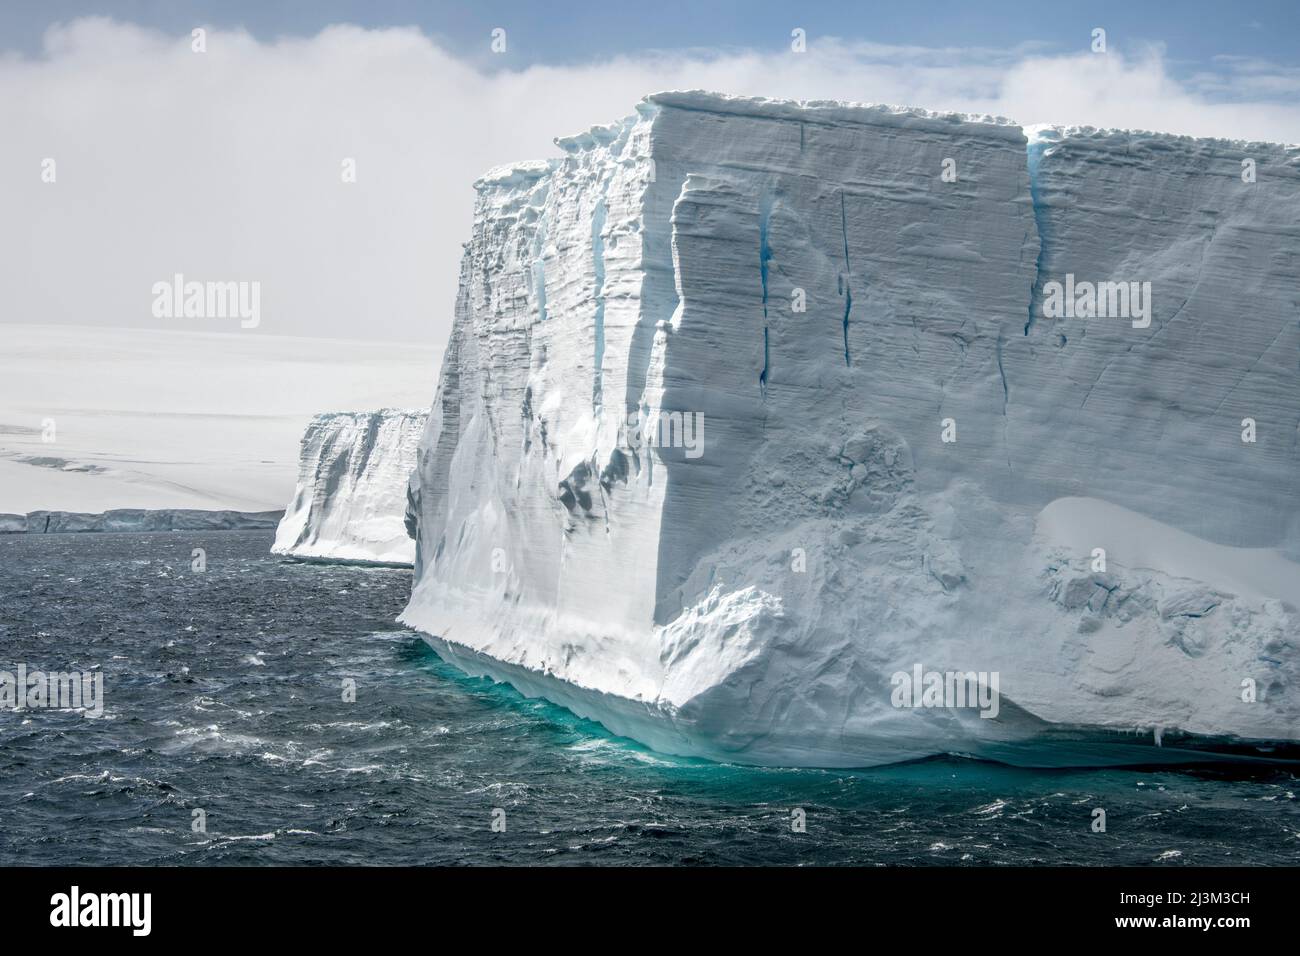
{"x": 224, "y": 693}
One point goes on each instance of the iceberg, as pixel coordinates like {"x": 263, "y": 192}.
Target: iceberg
{"x": 350, "y": 504}
{"x": 751, "y": 409}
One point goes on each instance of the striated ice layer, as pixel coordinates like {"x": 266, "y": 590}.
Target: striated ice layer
{"x": 886, "y": 456}
{"x": 350, "y": 501}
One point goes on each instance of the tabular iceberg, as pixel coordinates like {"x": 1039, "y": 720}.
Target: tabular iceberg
{"x": 752, "y": 410}
{"x": 350, "y": 502}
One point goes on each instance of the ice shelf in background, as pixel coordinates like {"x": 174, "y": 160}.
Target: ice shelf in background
{"x": 137, "y": 519}
{"x": 350, "y": 503}
{"x": 93, "y": 419}
{"x": 752, "y": 603}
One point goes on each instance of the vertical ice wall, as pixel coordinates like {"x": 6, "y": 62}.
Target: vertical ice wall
{"x": 349, "y": 504}
{"x": 1154, "y": 414}
{"x": 896, "y": 458}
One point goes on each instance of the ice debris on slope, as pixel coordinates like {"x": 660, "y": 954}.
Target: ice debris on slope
{"x": 914, "y": 476}
{"x": 350, "y": 502}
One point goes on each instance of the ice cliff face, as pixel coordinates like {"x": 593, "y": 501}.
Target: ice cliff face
{"x": 751, "y": 407}
{"x": 350, "y": 501}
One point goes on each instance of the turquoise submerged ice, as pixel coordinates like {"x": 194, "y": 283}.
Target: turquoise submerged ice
{"x": 889, "y": 468}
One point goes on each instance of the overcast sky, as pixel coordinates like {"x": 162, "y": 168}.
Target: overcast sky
{"x": 225, "y": 165}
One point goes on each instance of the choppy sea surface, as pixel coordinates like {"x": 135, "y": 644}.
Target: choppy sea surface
{"x": 224, "y": 693}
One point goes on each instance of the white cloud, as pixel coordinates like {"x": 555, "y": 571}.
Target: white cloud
{"x": 226, "y": 165}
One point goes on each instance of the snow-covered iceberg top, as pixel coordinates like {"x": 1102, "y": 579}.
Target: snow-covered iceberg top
{"x": 760, "y": 420}
{"x": 350, "y": 502}
{"x": 831, "y": 112}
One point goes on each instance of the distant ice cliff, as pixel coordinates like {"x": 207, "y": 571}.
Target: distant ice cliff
{"x": 350, "y": 502}
{"x": 136, "y": 520}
